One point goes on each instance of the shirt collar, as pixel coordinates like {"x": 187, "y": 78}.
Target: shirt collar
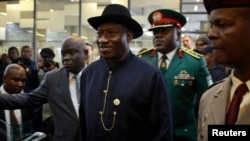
{"x": 236, "y": 82}
{"x": 71, "y": 75}
{"x": 170, "y": 55}
{"x": 2, "y": 90}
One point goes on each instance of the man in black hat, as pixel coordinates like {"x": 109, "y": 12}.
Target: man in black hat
{"x": 229, "y": 35}
{"x": 123, "y": 97}
{"x": 184, "y": 71}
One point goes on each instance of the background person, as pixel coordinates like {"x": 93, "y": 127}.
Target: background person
{"x": 4, "y": 62}
{"x": 45, "y": 64}
{"x": 216, "y": 70}
{"x": 202, "y": 42}
{"x": 187, "y": 41}
{"x": 89, "y": 53}
{"x": 32, "y": 80}
{"x": 13, "y": 54}
{"x": 26, "y": 122}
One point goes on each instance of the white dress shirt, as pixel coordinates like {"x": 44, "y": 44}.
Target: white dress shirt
{"x": 169, "y": 55}
{"x": 73, "y": 89}
{"x": 246, "y": 98}
{"x": 17, "y": 113}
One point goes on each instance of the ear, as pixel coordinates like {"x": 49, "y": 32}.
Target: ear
{"x": 178, "y": 33}
{"x": 130, "y": 36}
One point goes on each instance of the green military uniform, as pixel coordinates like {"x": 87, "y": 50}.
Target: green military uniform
{"x": 187, "y": 75}
{"x": 187, "y": 78}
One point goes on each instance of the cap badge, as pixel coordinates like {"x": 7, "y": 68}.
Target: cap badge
{"x": 157, "y": 16}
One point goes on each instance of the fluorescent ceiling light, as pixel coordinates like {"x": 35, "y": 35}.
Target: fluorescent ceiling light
{"x": 2, "y": 13}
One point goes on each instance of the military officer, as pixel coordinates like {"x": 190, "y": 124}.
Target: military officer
{"x": 184, "y": 70}
{"x": 229, "y": 35}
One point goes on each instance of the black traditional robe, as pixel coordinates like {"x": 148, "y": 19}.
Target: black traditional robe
{"x": 136, "y": 92}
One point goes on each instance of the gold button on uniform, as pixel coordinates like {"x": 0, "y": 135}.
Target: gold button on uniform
{"x": 116, "y": 102}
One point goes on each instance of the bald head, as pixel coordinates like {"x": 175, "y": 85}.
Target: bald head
{"x": 73, "y": 56}
{"x": 74, "y": 41}
{"x": 14, "y": 78}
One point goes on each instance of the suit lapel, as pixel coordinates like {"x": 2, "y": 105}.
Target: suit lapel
{"x": 64, "y": 85}
{"x": 174, "y": 64}
{"x": 220, "y": 100}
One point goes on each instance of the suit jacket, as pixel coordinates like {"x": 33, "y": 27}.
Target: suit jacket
{"x": 28, "y": 115}
{"x": 213, "y": 107}
{"x": 187, "y": 77}
{"x": 53, "y": 89}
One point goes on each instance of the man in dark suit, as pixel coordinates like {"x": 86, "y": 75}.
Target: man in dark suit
{"x": 184, "y": 70}
{"x": 58, "y": 92}
{"x": 13, "y": 82}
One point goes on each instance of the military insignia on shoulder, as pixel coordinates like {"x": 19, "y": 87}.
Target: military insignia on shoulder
{"x": 144, "y": 51}
{"x": 191, "y": 52}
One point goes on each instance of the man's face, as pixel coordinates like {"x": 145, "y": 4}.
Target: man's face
{"x": 73, "y": 58}
{"x": 26, "y": 53}
{"x": 5, "y": 59}
{"x": 200, "y": 45}
{"x": 165, "y": 39}
{"x": 113, "y": 41}
{"x": 229, "y": 35}
{"x": 13, "y": 54}
{"x": 187, "y": 42}
{"x": 14, "y": 81}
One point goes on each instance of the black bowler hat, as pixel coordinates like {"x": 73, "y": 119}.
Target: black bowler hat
{"x": 166, "y": 18}
{"x": 116, "y": 13}
{"x": 210, "y": 5}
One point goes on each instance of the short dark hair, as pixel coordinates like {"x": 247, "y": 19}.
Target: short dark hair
{"x": 24, "y": 47}
{"x": 13, "y": 48}
{"x": 47, "y": 53}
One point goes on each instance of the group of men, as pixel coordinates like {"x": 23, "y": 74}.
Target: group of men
{"x": 126, "y": 97}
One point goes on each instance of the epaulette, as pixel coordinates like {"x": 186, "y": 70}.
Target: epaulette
{"x": 192, "y": 53}
{"x": 142, "y": 52}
